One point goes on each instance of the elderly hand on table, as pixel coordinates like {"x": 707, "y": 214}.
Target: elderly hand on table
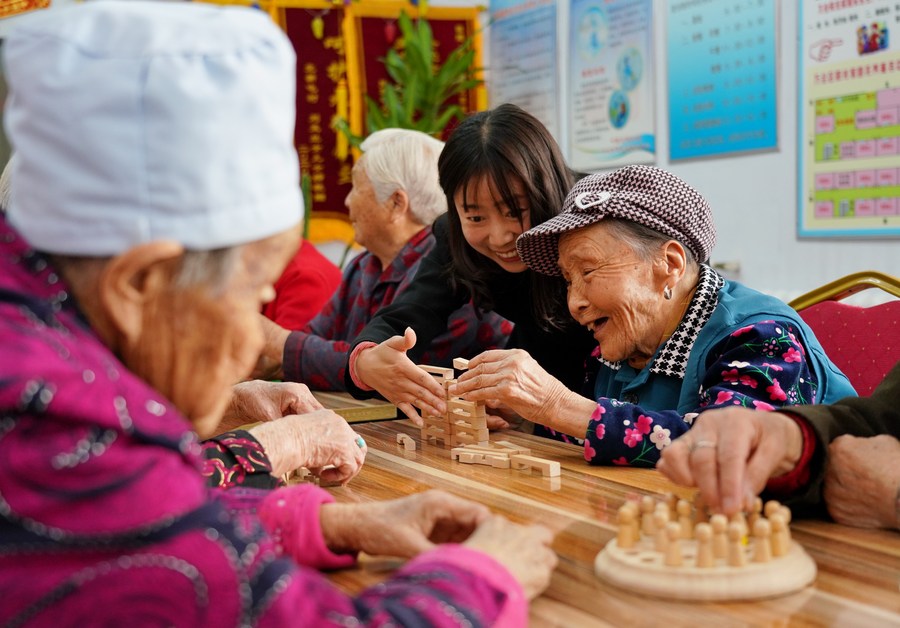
{"x": 862, "y": 481}
{"x": 414, "y": 524}
{"x": 730, "y": 454}
{"x": 321, "y": 441}
{"x": 258, "y": 400}
{"x": 513, "y": 379}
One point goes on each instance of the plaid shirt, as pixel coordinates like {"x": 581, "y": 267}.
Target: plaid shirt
{"x": 317, "y": 355}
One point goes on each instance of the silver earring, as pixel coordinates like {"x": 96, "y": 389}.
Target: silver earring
{"x": 667, "y": 293}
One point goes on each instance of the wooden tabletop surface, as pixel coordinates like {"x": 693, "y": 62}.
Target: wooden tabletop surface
{"x": 858, "y": 582}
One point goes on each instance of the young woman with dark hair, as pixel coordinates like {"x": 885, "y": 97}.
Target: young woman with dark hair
{"x": 502, "y": 173}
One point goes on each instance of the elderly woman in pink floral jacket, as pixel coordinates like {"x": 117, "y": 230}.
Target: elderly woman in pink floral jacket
{"x": 140, "y": 245}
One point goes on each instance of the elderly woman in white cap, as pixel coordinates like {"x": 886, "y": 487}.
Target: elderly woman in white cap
{"x": 673, "y": 336}
{"x": 155, "y": 201}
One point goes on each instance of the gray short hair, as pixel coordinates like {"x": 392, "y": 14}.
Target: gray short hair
{"x": 403, "y": 159}
{"x": 644, "y": 241}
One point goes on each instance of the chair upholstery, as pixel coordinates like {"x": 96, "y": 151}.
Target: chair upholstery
{"x": 864, "y": 342}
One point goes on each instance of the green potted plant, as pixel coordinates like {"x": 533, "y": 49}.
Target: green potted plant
{"x": 422, "y": 95}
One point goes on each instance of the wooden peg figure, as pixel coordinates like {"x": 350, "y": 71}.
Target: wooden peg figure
{"x": 755, "y": 512}
{"x": 626, "y": 536}
{"x": 673, "y": 547}
{"x": 647, "y": 506}
{"x": 741, "y": 520}
{"x": 720, "y": 538}
{"x": 705, "y": 557}
{"x": 683, "y": 508}
{"x": 780, "y": 541}
{"x": 762, "y": 541}
{"x": 736, "y": 556}
{"x": 660, "y": 521}
{"x": 785, "y": 512}
{"x": 772, "y": 507}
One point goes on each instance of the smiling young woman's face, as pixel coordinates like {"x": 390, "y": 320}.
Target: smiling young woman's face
{"x": 489, "y": 225}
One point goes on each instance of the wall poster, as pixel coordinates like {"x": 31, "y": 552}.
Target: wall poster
{"x": 524, "y": 65}
{"x": 722, "y": 77}
{"x": 611, "y": 96}
{"x": 849, "y": 100}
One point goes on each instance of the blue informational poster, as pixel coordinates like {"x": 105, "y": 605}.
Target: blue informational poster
{"x": 611, "y": 112}
{"x": 722, "y": 77}
{"x": 523, "y": 68}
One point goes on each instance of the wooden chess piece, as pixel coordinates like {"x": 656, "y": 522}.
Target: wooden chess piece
{"x": 684, "y": 518}
{"x": 780, "y": 540}
{"x": 705, "y": 557}
{"x": 625, "y": 537}
{"x": 660, "y": 521}
{"x": 720, "y": 539}
{"x": 647, "y": 506}
{"x": 762, "y": 541}
{"x": 736, "y": 556}
{"x": 673, "y": 549}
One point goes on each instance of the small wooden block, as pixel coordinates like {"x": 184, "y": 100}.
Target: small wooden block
{"x": 408, "y": 443}
{"x": 548, "y": 468}
{"x": 512, "y": 449}
{"x": 461, "y": 363}
{"x": 478, "y": 436}
{"x": 457, "y": 440}
{"x": 445, "y": 373}
{"x": 467, "y": 458}
{"x": 466, "y": 408}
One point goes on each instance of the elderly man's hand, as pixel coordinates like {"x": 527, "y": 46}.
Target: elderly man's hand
{"x": 258, "y": 400}
{"x": 862, "y": 481}
{"x": 321, "y": 441}
{"x": 730, "y": 454}
{"x": 386, "y": 368}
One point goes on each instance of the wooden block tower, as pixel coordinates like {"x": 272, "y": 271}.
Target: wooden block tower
{"x": 464, "y": 423}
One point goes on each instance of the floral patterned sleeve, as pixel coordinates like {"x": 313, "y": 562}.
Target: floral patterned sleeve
{"x": 236, "y": 458}
{"x": 761, "y": 366}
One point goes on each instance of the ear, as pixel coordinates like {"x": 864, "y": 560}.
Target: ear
{"x": 398, "y": 203}
{"x": 672, "y": 265}
{"x": 132, "y": 279}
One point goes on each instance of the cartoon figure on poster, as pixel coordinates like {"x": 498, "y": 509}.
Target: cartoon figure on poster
{"x": 871, "y": 38}
{"x": 592, "y": 33}
{"x": 619, "y": 108}
{"x": 630, "y": 69}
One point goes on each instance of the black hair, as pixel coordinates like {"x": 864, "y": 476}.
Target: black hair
{"x": 505, "y": 144}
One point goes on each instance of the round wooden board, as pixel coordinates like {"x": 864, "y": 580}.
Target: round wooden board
{"x": 641, "y": 570}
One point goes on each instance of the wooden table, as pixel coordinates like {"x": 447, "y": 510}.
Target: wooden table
{"x": 858, "y": 570}
{"x": 356, "y": 410}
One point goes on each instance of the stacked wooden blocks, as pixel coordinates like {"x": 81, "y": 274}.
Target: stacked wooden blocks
{"x": 464, "y": 423}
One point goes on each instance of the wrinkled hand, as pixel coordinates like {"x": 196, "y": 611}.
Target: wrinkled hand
{"x": 402, "y": 527}
{"x": 511, "y": 377}
{"x": 386, "y": 368}
{"x": 730, "y": 454}
{"x": 314, "y": 440}
{"x": 524, "y": 550}
{"x": 862, "y": 479}
{"x": 259, "y": 400}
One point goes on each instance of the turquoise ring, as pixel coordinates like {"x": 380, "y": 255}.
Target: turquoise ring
{"x": 360, "y": 441}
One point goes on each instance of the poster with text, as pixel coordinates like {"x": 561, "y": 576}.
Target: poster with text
{"x": 722, "y": 77}
{"x": 611, "y": 95}
{"x": 849, "y": 99}
{"x": 524, "y": 65}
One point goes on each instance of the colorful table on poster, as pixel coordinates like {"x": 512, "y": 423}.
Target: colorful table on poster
{"x": 849, "y": 179}
{"x": 524, "y": 65}
{"x": 722, "y": 77}
{"x": 611, "y": 87}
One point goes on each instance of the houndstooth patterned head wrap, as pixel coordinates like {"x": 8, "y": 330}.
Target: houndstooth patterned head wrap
{"x": 643, "y": 194}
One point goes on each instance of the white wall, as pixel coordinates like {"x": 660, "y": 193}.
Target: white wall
{"x": 754, "y": 197}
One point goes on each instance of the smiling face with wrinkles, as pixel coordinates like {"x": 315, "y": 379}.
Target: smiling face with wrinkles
{"x": 614, "y": 293}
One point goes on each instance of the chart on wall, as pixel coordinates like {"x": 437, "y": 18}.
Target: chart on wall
{"x": 611, "y": 95}
{"x": 849, "y": 99}
{"x": 524, "y": 66}
{"x": 721, "y": 77}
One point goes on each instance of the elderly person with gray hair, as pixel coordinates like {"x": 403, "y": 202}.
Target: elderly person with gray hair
{"x": 394, "y": 200}
{"x": 673, "y": 336}
{"x": 141, "y": 242}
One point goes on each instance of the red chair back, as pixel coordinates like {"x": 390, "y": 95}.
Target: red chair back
{"x": 864, "y": 342}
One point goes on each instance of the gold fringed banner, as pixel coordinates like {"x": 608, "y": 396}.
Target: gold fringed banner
{"x": 13, "y": 7}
